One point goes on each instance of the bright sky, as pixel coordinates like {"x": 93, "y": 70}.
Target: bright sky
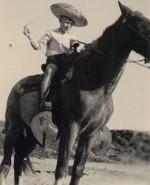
{"x": 18, "y": 59}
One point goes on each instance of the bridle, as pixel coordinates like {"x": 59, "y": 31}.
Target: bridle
{"x": 125, "y": 21}
{"x": 146, "y": 39}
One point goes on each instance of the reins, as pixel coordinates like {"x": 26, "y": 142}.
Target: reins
{"x": 136, "y": 62}
{"x": 100, "y": 52}
{"x": 129, "y": 60}
{"x": 91, "y": 47}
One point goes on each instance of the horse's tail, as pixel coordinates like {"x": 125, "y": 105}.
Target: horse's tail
{"x": 27, "y": 166}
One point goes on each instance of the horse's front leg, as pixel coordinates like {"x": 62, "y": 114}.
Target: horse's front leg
{"x": 84, "y": 147}
{"x": 67, "y": 140}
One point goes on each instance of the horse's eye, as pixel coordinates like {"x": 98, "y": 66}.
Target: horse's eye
{"x": 141, "y": 26}
{"x": 124, "y": 20}
{"x": 138, "y": 19}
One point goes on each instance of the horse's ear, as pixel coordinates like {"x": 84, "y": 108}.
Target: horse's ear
{"x": 126, "y": 12}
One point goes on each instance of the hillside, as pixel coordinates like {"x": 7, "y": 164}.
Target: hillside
{"x": 124, "y": 146}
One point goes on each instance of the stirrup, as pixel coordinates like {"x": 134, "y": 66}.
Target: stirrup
{"x": 46, "y": 106}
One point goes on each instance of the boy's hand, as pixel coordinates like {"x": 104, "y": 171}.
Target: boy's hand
{"x": 26, "y": 31}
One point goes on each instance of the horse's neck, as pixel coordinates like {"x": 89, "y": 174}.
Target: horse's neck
{"x": 116, "y": 60}
{"x": 106, "y": 71}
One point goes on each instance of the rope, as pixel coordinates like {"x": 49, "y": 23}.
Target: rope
{"x": 136, "y": 62}
{"x": 36, "y": 18}
{"x": 33, "y": 36}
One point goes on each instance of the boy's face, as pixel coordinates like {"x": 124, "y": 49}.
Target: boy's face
{"x": 66, "y": 24}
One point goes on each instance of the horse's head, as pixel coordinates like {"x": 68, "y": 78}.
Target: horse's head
{"x": 137, "y": 27}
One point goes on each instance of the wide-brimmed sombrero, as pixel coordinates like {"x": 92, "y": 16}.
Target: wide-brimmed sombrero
{"x": 63, "y": 9}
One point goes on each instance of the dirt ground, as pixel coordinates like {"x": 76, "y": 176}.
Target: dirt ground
{"x": 94, "y": 173}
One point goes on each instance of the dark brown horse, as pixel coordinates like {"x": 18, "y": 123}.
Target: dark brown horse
{"x": 86, "y": 100}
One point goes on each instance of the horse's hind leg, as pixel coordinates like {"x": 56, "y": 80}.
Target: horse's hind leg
{"x": 6, "y": 162}
{"x": 9, "y": 142}
{"x": 83, "y": 150}
{"x": 24, "y": 145}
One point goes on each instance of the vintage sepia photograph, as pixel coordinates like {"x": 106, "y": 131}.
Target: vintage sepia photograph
{"x": 75, "y": 92}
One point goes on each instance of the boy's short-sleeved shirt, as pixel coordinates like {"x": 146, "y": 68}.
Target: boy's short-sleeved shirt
{"x": 56, "y": 42}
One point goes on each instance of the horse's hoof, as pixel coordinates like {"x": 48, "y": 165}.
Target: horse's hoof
{"x": 4, "y": 170}
{"x": 59, "y": 182}
{"x": 19, "y": 181}
{"x": 2, "y": 179}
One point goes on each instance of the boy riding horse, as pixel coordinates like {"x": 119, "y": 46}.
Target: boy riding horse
{"x": 58, "y": 43}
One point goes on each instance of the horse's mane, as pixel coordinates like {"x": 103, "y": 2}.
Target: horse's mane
{"x": 138, "y": 13}
{"x": 101, "y": 41}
